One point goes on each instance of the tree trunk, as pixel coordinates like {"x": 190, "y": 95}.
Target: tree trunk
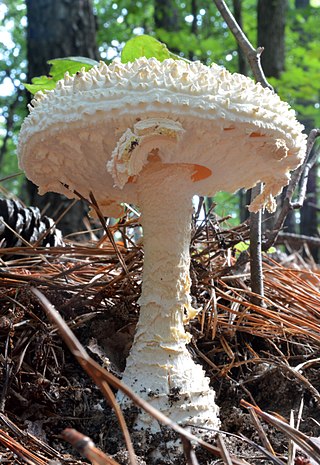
{"x": 244, "y": 196}
{"x": 166, "y": 15}
{"x": 271, "y": 36}
{"x": 308, "y": 214}
{"x": 271, "y": 28}
{"x": 302, "y": 3}
{"x": 309, "y": 211}
{"x": 242, "y": 62}
{"x": 194, "y": 11}
{"x": 56, "y": 29}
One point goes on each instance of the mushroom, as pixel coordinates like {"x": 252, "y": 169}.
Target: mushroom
{"x": 154, "y": 134}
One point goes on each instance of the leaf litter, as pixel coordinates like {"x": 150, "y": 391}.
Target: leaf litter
{"x": 257, "y": 357}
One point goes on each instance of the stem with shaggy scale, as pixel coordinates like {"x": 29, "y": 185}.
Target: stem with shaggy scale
{"x": 160, "y": 367}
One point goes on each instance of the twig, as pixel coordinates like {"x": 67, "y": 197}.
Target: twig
{"x": 94, "y": 205}
{"x": 297, "y": 240}
{"x": 253, "y": 55}
{"x": 23, "y": 453}
{"x": 256, "y": 273}
{"x": 40, "y": 445}
{"x": 189, "y": 453}
{"x": 104, "y": 386}
{"x": 306, "y": 167}
{"x": 292, "y": 447}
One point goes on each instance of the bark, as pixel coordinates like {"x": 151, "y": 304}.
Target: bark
{"x": 271, "y": 36}
{"x": 56, "y": 29}
{"x": 244, "y": 196}
{"x": 271, "y": 28}
{"x": 194, "y": 11}
{"x": 309, "y": 212}
{"x": 242, "y": 62}
{"x": 255, "y": 250}
{"x": 302, "y": 3}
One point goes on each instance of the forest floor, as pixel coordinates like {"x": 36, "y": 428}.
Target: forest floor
{"x": 267, "y": 355}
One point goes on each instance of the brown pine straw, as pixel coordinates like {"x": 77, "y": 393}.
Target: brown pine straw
{"x": 24, "y": 454}
{"x": 291, "y": 306}
{"x": 92, "y": 275}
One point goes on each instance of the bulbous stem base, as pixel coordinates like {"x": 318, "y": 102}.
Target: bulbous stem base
{"x": 159, "y": 367}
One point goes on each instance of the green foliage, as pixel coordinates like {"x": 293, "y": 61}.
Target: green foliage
{"x": 244, "y": 245}
{"x": 203, "y": 37}
{"x": 59, "y": 66}
{"x": 120, "y": 20}
{"x": 300, "y": 83}
{"x": 227, "y": 205}
{"x": 136, "y": 47}
{"x": 13, "y": 67}
{"x": 140, "y": 46}
{"x": 145, "y": 46}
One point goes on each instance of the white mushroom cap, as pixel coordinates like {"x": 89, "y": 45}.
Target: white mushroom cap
{"x": 234, "y": 132}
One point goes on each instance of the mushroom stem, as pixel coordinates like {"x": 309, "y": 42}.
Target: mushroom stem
{"x": 166, "y": 208}
{"x": 159, "y": 367}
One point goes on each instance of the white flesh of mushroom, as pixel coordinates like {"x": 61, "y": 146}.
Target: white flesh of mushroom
{"x": 165, "y": 116}
{"x": 160, "y": 367}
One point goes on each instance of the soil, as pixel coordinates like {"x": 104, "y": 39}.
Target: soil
{"x": 50, "y": 392}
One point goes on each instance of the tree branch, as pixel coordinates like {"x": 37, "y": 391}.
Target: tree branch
{"x": 253, "y": 55}
{"x": 306, "y": 167}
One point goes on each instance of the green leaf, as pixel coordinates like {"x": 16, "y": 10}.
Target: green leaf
{"x": 241, "y": 246}
{"x": 72, "y": 64}
{"x": 40, "y": 83}
{"x": 59, "y": 66}
{"x": 244, "y": 245}
{"x": 145, "y": 46}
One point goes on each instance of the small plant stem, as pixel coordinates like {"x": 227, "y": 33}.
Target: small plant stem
{"x": 255, "y": 250}
{"x": 253, "y": 56}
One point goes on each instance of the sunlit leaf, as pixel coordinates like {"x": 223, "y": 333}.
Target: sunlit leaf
{"x": 244, "y": 245}
{"x": 241, "y": 246}
{"x": 59, "y": 66}
{"x": 41, "y": 83}
{"x": 145, "y": 46}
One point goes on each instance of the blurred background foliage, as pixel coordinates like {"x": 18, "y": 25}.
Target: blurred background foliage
{"x": 192, "y": 28}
